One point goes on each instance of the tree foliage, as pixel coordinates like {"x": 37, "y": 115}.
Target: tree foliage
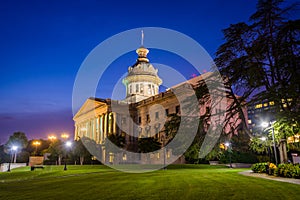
{"x": 79, "y": 150}
{"x": 149, "y": 144}
{"x": 18, "y": 139}
{"x": 261, "y": 58}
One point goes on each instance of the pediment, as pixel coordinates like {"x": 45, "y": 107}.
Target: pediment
{"x": 91, "y": 104}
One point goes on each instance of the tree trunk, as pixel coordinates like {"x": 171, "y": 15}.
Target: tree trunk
{"x": 15, "y": 157}
{"x": 282, "y": 151}
{"x": 81, "y": 158}
{"x": 59, "y": 160}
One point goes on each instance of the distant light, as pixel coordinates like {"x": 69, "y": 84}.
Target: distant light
{"x": 227, "y": 144}
{"x": 52, "y": 137}
{"x": 65, "y": 136}
{"x": 265, "y": 124}
{"x": 14, "y": 148}
{"x": 263, "y": 138}
{"x": 36, "y": 143}
{"x": 68, "y": 144}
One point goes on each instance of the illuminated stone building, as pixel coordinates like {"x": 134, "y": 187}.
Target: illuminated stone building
{"x": 142, "y": 113}
{"x": 97, "y": 120}
{"x": 264, "y": 111}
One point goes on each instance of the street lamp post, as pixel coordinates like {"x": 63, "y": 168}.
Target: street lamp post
{"x": 68, "y": 145}
{"x": 64, "y": 136}
{"x": 164, "y": 149}
{"x": 12, "y": 150}
{"x": 264, "y": 139}
{"x": 266, "y": 125}
{"x": 36, "y": 144}
{"x": 227, "y": 144}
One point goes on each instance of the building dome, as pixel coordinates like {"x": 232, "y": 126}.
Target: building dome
{"x": 142, "y": 80}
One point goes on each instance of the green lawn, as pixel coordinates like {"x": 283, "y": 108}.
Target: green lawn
{"x": 178, "y": 182}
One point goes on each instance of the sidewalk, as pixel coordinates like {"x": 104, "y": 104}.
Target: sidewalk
{"x": 263, "y": 175}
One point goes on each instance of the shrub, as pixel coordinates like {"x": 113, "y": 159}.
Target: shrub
{"x": 272, "y": 168}
{"x": 288, "y": 170}
{"x": 259, "y": 167}
{"x": 238, "y": 157}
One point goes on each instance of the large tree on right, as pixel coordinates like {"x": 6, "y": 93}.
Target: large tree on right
{"x": 261, "y": 59}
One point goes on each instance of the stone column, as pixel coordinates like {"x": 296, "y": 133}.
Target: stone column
{"x": 114, "y": 122}
{"x": 97, "y": 130}
{"x": 105, "y": 126}
{"x": 76, "y": 132}
{"x": 94, "y": 129}
{"x": 101, "y": 129}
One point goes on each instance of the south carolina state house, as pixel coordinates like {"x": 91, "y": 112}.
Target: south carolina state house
{"x": 141, "y": 114}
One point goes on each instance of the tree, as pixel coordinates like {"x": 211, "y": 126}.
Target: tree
{"x": 41, "y": 148}
{"x": 149, "y": 144}
{"x": 81, "y": 151}
{"x": 4, "y": 157}
{"x": 18, "y": 139}
{"x": 56, "y": 150}
{"x": 115, "y": 143}
{"x": 171, "y": 126}
{"x": 261, "y": 60}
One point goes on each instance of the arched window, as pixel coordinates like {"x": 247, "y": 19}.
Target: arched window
{"x": 149, "y": 88}
{"x": 142, "y": 88}
{"x": 130, "y": 89}
{"x": 153, "y": 91}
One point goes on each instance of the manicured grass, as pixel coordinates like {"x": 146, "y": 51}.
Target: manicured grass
{"x": 178, "y": 182}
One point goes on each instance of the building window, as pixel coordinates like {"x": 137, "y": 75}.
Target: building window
{"x": 167, "y": 112}
{"x": 124, "y": 156}
{"x": 111, "y": 157}
{"x": 177, "y": 109}
{"x": 142, "y": 88}
{"x": 140, "y": 120}
{"x": 156, "y": 115}
{"x": 168, "y": 154}
{"x": 271, "y": 103}
{"x": 249, "y": 121}
{"x": 137, "y": 88}
{"x": 148, "y": 118}
{"x": 153, "y": 90}
{"x": 149, "y": 88}
{"x": 258, "y": 106}
{"x": 265, "y": 104}
{"x": 130, "y": 89}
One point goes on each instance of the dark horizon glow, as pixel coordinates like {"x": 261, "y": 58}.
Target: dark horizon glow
{"x": 43, "y": 44}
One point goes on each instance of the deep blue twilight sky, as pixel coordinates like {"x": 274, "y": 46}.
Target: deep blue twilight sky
{"x": 43, "y": 43}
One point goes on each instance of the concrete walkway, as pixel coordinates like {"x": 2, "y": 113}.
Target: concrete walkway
{"x": 274, "y": 178}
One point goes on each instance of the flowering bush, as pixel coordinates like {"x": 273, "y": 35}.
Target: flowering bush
{"x": 272, "y": 168}
{"x": 288, "y": 170}
{"x": 284, "y": 170}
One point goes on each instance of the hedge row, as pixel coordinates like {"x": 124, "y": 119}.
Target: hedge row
{"x": 284, "y": 170}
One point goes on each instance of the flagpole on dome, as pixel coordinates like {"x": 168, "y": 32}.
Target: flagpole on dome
{"x": 142, "y": 39}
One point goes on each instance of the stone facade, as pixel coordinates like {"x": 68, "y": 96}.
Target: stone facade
{"x": 142, "y": 114}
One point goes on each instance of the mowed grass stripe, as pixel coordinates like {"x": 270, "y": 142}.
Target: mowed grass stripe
{"x": 99, "y": 182}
